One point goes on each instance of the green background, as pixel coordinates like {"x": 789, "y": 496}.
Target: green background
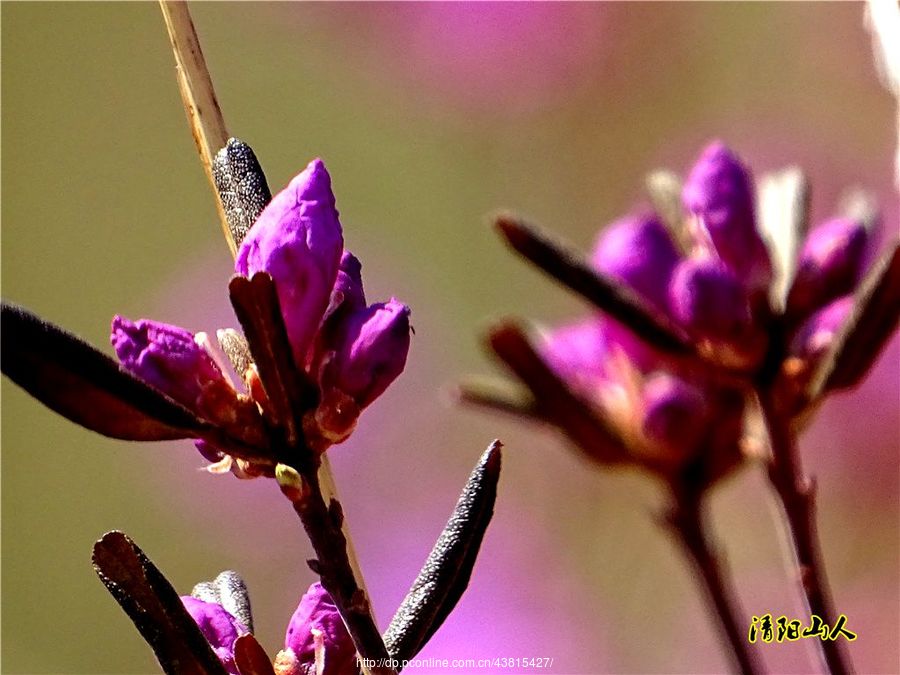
{"x": 428, "y": 117}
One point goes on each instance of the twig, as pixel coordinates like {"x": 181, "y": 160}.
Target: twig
{"x": 197, "y": 94}
{"x": 797, "y": 495}
{"x": 210, "y": 134}
{"x": 685, "y": 521}
{"x": 322, "y": 519}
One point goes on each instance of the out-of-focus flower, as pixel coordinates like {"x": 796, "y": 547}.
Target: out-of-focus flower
{"x": 316, "y": 635}
{"x": 713, "y": 285}
{"x": 830, "y": 264}
{"x": 219, "y": 628}
{"x": 718, "y": 194}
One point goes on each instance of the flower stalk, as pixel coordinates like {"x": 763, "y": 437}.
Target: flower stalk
{"x": 323, "y": 521}
{"x": 797, "y": 495}
{"x": 686, "y": 523}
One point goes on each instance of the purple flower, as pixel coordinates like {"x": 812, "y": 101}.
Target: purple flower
{"x": 219, "y": 628}
{"x": 577, "y": 352}
{"x": 719, "y": 194}
{"x": 676, "y": 414}
{"x": 816, "y": 335}
{"x": 316, "y": 626}
{"x": 166, "y": 357}
{"x": 830, "y": 264}
{"x": 711, "y": 303}
{"x": 370, "y": 351}
{"x": 348, "y": 287}
{"x": 298, "y": 241}
{"x": 639, "y": 251}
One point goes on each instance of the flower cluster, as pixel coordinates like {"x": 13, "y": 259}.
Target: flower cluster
{"x": 710, "y": 276}
{"x": 349, "y": 350}
{"x": 316, "y": 640}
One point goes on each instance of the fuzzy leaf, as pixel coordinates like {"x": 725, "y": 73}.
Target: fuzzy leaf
{"x": 229, "y": 590}
{"x": 154, "y": 607}
{"x": 447, "y": 570}
{"x": 85, "y": 385}
{"x": 241, "y": 185}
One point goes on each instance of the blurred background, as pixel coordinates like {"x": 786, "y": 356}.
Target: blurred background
{"x": 428, "y": 116}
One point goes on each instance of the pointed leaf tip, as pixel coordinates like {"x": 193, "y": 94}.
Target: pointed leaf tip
{"x": 153, "y": 606}
{"x": 83, "y": 384}
{"x": 448, "y": 569}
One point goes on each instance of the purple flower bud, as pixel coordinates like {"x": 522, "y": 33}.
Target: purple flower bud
{"x": 711, "y": 303}
{"x": 815, "y": 336}
{"x": 370, "y": 351}
{"x": 166, "y": 357}
{"x": 298, "y": 241}
{"x": 675, "y": 415}
{"x": 576, "y": 352}
{"x": 719, "y": 192}
{"x": 639, "y": 251}
{"x": 348, "y": 287}
{"x": 829, "y": 266}
{"x": 317, "y": 620}
{"x": 219, "y": 628}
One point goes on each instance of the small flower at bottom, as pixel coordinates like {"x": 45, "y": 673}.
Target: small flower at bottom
{"x": 316, "y": 635}
{"x": 219, "y": 628}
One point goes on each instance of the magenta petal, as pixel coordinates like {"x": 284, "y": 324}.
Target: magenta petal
{"x": 830, "y": 264}
{"x": 318, "y": 612}
{"x": 719, "y": 192}
{"x": 165, "y": 356}
{"x": 577, "y": 352}
{"x": 298, "y": 241}
{"x": 709, "y": 300}
{"x": 219, "y": 628}
{"x": 370, "y": 351}
{"x": 675, "y": 414}
{"x": 639, "y": 251}
{"x": 816, "y": 335}
{"x": 349, "y": 282}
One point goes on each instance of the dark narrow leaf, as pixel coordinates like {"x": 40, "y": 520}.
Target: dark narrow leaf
{"x": 447, "y": 570}
{"x": 242, "y": 187}
{"x": 555, "y": 401}
{"x": 619, "y": 301}
{"x": 85, "y": 385}
{"x": 229, "y": 590}
{"x": 250, "y": 658}
{"x": 876, "y": 312}
{"x": 154, "y": 607}
{"x": 256, "y": 306}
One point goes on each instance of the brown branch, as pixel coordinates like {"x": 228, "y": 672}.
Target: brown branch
{"x": 685, "y": 522}
{"x": 797, "y": 495}
{"x": 323, "y": 522}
